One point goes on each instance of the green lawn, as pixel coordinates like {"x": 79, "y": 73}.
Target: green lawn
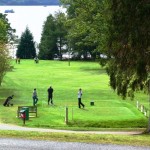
{"x": 134, "y": 140}
{"x": 109, "y": 111}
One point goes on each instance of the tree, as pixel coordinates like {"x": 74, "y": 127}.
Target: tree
{"x": 6, "y": 33}
{"x": 4, "y": 63}
{"x": 61, "y": 31}
{"x": 48, "y": 43}
{"x": 26, "y": 48}
{"x": 118, "y": 29}
{"x": 87, "y": 25}
{"x": 129, "y": 46}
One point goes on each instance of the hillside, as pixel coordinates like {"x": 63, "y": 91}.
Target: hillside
{"x": 29, "y": 2}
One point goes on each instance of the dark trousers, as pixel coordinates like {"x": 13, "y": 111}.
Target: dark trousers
{"x": 50, "y": 99}
{"x": 35, "y": 99}
{"x": 80, "y": 103}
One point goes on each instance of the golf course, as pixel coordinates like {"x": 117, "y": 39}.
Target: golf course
{"x": 108, "y": 112}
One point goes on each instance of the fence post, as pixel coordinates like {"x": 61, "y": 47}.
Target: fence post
{"x": 66, "y": 116}
{"x": 145, "y": 112}
{"x": 137, "y": 104}
{"x": 141, "y": 108}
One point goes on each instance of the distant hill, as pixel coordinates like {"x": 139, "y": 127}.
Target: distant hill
{"x": 28, "y": 2}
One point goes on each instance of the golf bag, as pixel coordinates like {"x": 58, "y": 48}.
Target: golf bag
{"x": 7, "y": 101}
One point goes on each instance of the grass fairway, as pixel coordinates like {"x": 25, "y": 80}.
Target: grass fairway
{"x": 109, "y": 111}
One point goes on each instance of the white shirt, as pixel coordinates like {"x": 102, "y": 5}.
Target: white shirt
{"x": 79, "y": 94}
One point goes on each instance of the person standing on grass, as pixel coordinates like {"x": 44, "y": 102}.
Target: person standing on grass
{"x": 79, "y": 98}
{"x": 35, "y": 97}
{"x": 50, "y": 95}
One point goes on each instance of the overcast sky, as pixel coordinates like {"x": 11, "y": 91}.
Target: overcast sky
{"x": 31, "y": 16}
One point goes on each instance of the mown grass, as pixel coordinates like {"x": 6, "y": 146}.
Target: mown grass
{"x": 109, "y": 111}
{"x": 134, "y": 140}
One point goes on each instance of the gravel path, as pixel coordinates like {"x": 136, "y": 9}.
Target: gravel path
{"x": 21, "y": 128}
{"x": 24, "y": 144}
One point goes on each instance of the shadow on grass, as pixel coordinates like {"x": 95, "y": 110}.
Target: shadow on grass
{"x": 108, "y": 123}
{"x": 94, "y": 70}
{"x": 4, "y": 93}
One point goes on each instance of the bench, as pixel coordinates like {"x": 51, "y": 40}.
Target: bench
{"x": 32, "y": 109}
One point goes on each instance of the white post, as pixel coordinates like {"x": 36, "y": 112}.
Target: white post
{"x": 141, "y": 108}
{"x": 137, "y": 104}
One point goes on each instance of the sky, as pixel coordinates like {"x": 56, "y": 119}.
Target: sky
{"x": 32, "y": 17}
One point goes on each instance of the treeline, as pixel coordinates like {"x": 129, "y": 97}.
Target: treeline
{"x": 29, "y": 2}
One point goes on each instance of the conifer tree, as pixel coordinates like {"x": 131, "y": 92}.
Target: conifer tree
{"x": 26, "y": 48}
{"x": 129, "y": 46}
{"x": 48, "y": 44}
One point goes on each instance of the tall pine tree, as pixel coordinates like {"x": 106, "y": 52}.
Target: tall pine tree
{"x": 26, "y": 48}
{"x": 48, "y": 44}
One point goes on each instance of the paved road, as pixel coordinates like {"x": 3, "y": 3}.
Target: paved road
{"x": 23, "y": 144}
{"x": 16, "y": 144}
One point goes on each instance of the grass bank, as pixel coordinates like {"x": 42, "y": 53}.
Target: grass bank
{"x": 134, "y": 140}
